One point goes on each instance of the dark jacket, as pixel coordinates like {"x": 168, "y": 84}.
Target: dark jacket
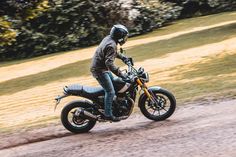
{"x": 103, "y": 59}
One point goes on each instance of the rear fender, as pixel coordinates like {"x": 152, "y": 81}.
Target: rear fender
{"x": 58, "y": 100}
{"x": 85, "y": 103}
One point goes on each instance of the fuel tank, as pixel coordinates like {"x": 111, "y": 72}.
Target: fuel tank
{"x": 120, "y": 86}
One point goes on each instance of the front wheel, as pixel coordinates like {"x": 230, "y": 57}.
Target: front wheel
{"x": 73, "y": 123}
{"x": 163, "y": 108}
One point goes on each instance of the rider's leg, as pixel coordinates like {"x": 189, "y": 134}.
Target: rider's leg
{"x": 111, "y": 76}
{"x": 105, "y": 80}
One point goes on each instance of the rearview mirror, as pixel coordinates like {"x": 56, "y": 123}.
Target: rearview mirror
{"x": 122, "y": 50}
{"x": 131, "y": 61}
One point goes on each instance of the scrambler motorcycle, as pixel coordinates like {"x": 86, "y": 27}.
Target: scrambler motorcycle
{"x": 80, "y": 116}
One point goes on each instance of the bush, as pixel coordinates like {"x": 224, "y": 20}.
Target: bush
{"x": 203, "y": 7}
{"x": 7, "y": 35}
{"x": 67, "y": 25}
{"x": 33, "y": 28}
{"x": 152, "y": 15}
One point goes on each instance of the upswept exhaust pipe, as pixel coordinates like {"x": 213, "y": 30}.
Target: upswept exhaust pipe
{"x": 85, "y": 114}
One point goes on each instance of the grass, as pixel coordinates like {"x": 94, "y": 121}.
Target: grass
{"x": 217, "y": 75}
{"x": 70, "y": 70}
{"x": 213, "y": 76}
{"x": 139, "y": 53}
{"x": 189, "y": 23}
{"x": 216, "y": 67}
{"x": 179, "y": 25}
{"x": 160, "y": 48}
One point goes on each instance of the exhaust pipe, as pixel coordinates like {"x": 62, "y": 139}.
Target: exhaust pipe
{"x": 85, "y": 114}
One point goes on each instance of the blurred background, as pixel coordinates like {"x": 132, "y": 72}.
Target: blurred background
{"x": 34, "y": 28}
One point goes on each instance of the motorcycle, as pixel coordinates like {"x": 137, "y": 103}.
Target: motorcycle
{"x": 80, "y": 116}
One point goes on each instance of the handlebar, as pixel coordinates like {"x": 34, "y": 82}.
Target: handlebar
{"x": 132, "y": 72}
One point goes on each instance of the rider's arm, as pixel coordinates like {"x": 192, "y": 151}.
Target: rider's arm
{"x": 110, "y": 56}
{"x": 121, "y": 56}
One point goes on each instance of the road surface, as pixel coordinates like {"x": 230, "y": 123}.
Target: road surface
{"x": 196, "y": 130}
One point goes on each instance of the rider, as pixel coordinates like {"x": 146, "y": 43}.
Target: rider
{"x": 103, "y": 63}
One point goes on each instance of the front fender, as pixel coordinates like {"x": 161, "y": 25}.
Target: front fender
{"x": 153, "y": 88}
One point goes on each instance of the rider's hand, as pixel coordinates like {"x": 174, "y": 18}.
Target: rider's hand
{"x": 125, "y": 59}
{"x": 124, "y": 76}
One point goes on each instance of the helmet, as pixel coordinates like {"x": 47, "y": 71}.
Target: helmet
{"x": 119, "y": 33}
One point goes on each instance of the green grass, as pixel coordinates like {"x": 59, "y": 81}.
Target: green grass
{"x": 139, "y": 53}
{"x": 214, "y": 68}
{"x": 160, "y": 48}
{"x": 213, "y": 79}
{"x": 211, "y": 82}
{"x": 179, "y": 25}
{"x": 67, "y": 71}
{"x": 189, "y": 23}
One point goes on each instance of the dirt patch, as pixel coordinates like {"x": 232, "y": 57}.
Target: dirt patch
{"x": 202, "y": 129}
{"x": 192, "y": 55}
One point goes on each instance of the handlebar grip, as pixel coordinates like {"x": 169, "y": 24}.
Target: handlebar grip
{"x": 127, "y": 80}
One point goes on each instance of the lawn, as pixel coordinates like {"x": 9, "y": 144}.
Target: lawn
{"x": 212, "y": 77}
{"x": 139, "y": 53}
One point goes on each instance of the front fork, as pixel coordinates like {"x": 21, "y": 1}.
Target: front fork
{"x": 145, "y": 89}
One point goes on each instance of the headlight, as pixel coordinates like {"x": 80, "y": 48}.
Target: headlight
{"x": 145, "y": 77}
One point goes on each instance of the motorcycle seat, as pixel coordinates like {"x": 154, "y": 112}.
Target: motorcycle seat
{"x": 93, "y": 91}
{"x": 85, "y": 91}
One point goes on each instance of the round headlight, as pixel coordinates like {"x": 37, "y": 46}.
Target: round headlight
{"x": 145, "y": 77}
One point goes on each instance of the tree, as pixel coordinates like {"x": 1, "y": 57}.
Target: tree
{"x": 65, "y": 26}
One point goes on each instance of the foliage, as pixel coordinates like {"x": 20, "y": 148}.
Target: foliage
{"x": 67, "y": 25}
{"x": 15, "y": 13}
{"x": 7, "y": 35}
{"x": 33, "y": 28}
{"x": 203, "y": 7}
{"x": 17, "y": 7}
{"x": 153, "y": 14}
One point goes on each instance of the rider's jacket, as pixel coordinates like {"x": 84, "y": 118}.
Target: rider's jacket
{"x": 103, "y": 59}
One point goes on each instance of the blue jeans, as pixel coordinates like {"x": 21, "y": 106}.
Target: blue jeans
{"x": 105, "y": 80}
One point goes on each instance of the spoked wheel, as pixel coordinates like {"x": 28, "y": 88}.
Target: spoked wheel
{"x": 163, "y": 107}
{"x": 74, "y": 122}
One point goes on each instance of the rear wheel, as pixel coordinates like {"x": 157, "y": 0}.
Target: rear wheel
{"x": 161, "y": 110}
{"x": 73, "y": 123}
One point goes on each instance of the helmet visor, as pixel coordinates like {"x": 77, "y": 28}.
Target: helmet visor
{"x": 125, "y": 38}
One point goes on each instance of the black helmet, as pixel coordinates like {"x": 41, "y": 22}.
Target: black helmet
{"x": 119, "y": 33}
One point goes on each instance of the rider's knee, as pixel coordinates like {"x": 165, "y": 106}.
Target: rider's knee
{"x": 111, "y": 93}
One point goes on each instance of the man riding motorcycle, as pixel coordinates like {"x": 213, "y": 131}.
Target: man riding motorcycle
{"x": 103, "y": 65}
{"x": 79, "y": 116}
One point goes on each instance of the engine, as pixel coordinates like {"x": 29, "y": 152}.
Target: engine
{"x": 123, "y": 107}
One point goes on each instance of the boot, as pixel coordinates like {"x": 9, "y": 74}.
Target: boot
{"x": 112, "y": 118}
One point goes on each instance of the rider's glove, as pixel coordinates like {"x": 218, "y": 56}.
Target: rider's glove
{"x": 126, "y": 60}
{"x": 123, "y": 76}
